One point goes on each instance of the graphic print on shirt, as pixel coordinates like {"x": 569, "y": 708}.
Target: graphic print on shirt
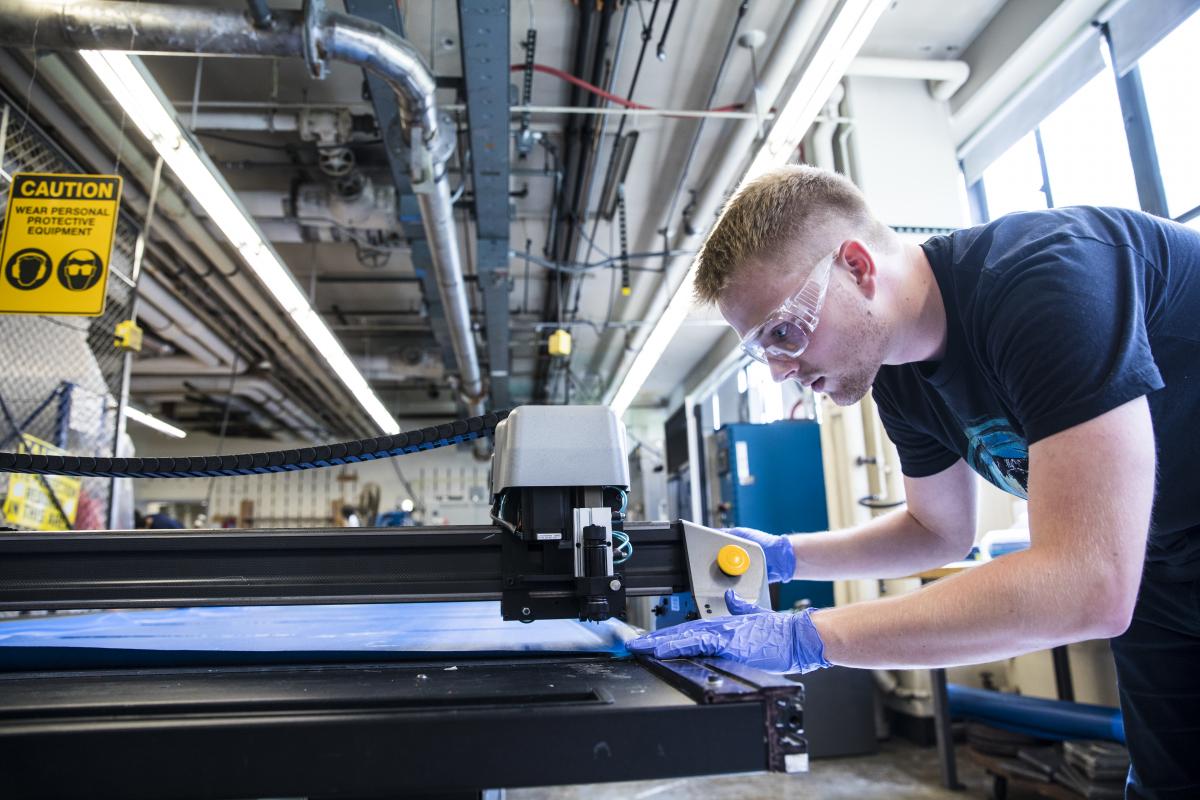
{"x": 999, "y": 453}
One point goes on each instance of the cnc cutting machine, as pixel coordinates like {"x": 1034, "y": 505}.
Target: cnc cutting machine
{"x": 559, "y": 548}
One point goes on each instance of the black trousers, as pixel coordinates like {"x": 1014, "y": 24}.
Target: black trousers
{"x": 1158, "y": 675}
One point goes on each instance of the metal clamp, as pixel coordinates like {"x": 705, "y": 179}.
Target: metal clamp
{"x": 426, "y": 155}
{"x": 312, "y": 32}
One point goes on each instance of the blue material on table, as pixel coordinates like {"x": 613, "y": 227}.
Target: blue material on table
{"x": 291, "y": 634}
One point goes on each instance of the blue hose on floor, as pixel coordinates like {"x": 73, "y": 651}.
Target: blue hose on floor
{"x": 1054, "y": 719}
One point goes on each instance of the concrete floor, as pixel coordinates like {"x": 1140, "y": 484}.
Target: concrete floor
{"x": 899, "y": 771}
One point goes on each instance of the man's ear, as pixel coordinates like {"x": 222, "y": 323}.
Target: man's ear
{"x": 854, "y": 256}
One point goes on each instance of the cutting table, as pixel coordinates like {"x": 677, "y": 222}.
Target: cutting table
{"x": 384, "y": 662}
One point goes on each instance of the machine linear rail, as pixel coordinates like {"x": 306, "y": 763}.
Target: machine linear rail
{"x": 139, "y": 569}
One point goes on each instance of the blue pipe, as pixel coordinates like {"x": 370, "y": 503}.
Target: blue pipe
{"x": 1056, "y": 718}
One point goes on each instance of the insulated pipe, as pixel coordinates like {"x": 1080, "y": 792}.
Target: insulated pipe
{"x": 153, "y": 292}
{"x": 167, "y": 329}
{"x": 158, "y": 28}
{"x": 258, "y": 389}
{"x": 182, "y": 365}
{"x": 823, "y": 132}
{"x": 945, "y": 77}
{"x": 245, "y": 121}
{"x": 266, "y": 203}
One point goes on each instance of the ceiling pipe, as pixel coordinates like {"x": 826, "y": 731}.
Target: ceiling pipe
{"x": 317, "y": 36}
{"x": 944, "y": 77}
{"x": 166, "y": 328}
{"x": 182, "y": 366}
{"x": 822, "y": 134}
{"x": 266, "y": 121}
{"x": 260, "y": 390}
{"x": 153, "y": 292}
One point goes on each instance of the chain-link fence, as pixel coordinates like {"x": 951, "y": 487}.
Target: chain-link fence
{"x": 60, "y": 376}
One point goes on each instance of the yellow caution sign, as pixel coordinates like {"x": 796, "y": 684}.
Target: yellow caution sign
{"x": 58, "y": 236}
{"x": 28, "y": 505}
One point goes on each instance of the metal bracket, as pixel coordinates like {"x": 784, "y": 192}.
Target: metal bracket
{"x": 425, "y": 154}
{"x": 592, "y": 516}
{"x": 312, "y": 33}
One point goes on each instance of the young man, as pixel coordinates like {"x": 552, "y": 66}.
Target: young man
{"x": 1057, "y": 354}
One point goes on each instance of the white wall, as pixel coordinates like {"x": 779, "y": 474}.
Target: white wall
{"x": 904, "y": 156}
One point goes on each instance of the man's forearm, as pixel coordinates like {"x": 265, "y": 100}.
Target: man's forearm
{"x": 991, "y": 612}
{"x": 890, "y": 546}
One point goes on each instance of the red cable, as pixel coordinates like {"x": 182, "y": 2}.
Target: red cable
{"x": 596, "y": 90}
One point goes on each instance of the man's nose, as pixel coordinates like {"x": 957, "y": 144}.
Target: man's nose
{"x": 781, "y": 369}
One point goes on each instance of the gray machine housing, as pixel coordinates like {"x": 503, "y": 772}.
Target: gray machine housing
{"x": 560, "y": 446}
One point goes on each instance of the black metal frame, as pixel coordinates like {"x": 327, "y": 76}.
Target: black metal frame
{"x": 132, "y": 569}
{"x": 375, "y": 729}
{"x": 389, "y": 729}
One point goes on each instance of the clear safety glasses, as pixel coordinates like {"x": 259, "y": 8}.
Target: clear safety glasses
{"x": 786, "y": 331}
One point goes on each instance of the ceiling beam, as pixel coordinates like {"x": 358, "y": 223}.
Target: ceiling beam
{"x": 484, "y": 37}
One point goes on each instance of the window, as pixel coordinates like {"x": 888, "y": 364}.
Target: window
{"x": 1087, "y": 155}
{"x": 1082, "y": 150}
{"x": 1091, "y": 169}
{"x": 1014, "y": 180}
{"x": 1170, "y": 71}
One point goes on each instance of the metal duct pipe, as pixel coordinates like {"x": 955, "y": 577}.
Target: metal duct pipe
{"x": 315, "y": 35}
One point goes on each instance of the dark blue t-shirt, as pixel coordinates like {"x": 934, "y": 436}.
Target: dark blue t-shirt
{"x": 1054, "y": 318}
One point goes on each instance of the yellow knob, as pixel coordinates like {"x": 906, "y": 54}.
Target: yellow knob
{"x": 733, "y": 559}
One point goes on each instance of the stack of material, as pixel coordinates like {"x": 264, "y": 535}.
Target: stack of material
{"x": 1094, "y": 769}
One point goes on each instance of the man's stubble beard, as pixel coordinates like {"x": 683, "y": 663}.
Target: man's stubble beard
{"x": 863, "y": 366}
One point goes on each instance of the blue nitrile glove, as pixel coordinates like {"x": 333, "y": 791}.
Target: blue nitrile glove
{"x": 781, "y": 558}
{"x": 767, "y": 640}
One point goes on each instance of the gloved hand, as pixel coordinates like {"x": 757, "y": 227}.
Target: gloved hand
{"x": 767, "y": 640}
{"x": 781, "y": 558}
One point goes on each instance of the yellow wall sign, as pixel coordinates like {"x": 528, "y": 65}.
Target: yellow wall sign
{"x": 58, "y": 237}
{"x": 27, "y": 503}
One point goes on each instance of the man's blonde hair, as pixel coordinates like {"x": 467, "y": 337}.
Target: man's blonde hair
{"x": 786, "y": 211}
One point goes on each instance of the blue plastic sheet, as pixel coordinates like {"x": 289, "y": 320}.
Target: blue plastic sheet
{"x": 274, "y": 634}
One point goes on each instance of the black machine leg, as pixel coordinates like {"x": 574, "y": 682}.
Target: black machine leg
{"x": 941, "y": 725}
{"x": 1062, "y": 673}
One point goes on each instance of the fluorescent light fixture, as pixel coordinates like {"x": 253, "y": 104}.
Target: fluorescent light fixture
{"x": 838, "y": 44}
{"x": 134, "y": 89}
{"x": 151, "y": 421}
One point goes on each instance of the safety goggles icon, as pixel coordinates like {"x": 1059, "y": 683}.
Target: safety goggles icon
{"x": 787, "y": 330}
{"x": 80, "y": 267}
